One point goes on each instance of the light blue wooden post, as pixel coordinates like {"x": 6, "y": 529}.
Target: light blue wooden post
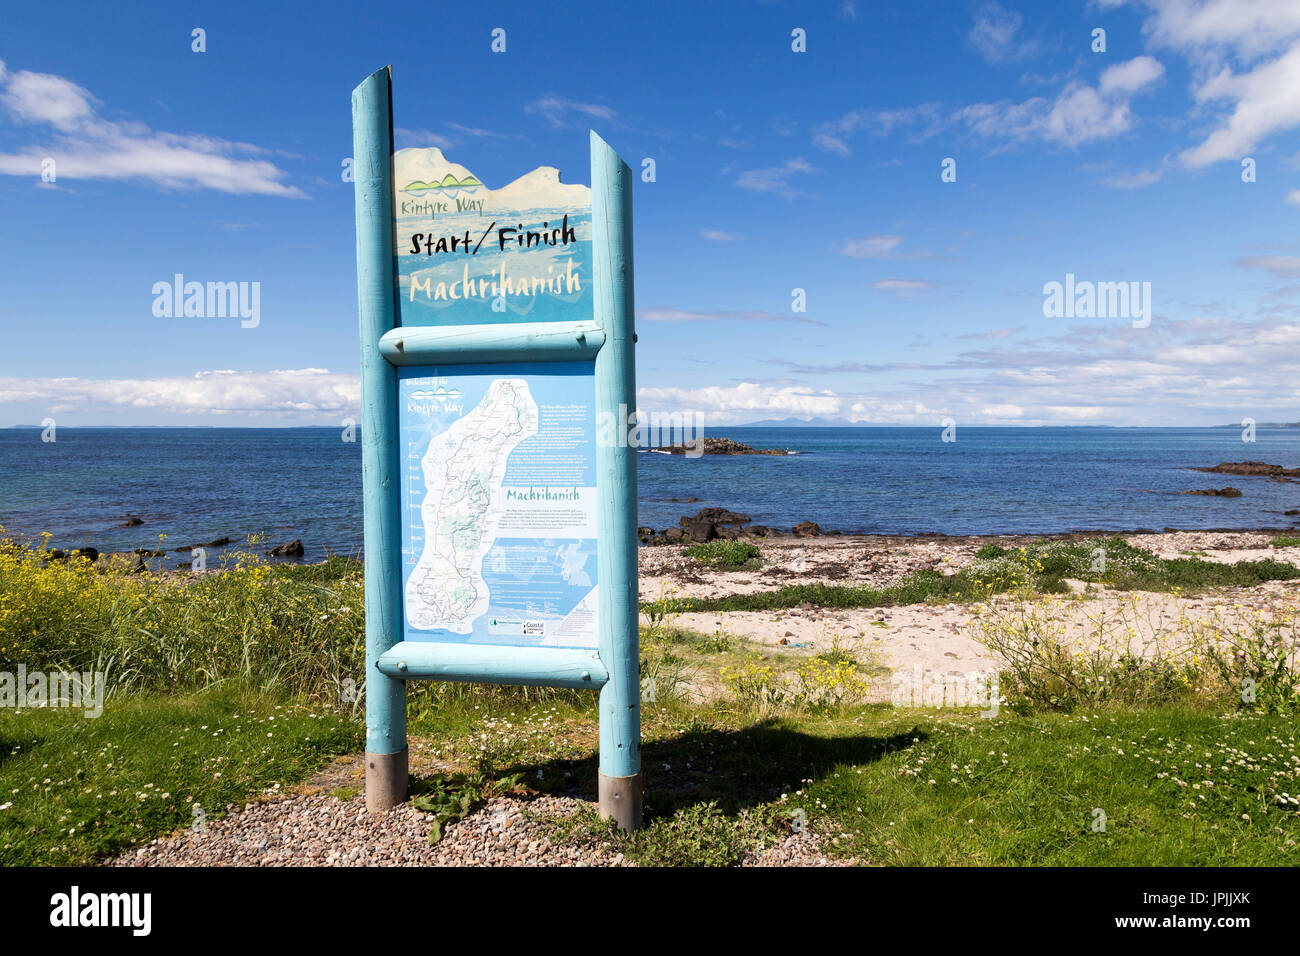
{"x": 372, "y": 164}
{"x": 620, "y": 782}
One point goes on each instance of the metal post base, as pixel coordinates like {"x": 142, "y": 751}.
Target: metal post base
{"x": 620, "y": 800}
{"x": 386, "y": 777}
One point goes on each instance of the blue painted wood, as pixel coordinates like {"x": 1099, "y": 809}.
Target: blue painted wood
{"x": 372, "y": 152}
{"x": 620, "y": 698}
{"x": 480, "y": 344}
{"x": 493, "y": 664}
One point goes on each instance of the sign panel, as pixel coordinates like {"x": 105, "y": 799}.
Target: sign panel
{"x": 499, "y": 461}
{"x": 499, "y": 499}
{"x": 470, "y": 255}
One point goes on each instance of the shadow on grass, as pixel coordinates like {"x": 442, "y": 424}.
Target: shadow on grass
{"x": 737, "y": 768}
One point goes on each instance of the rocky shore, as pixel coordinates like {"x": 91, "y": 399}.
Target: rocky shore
{"x": 938, "y": 638}
{"x": 711, "y": 523}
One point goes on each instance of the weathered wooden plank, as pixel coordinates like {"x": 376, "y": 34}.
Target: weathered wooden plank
{"x": 482, "y": 344}
{"x": 494, "y": 664}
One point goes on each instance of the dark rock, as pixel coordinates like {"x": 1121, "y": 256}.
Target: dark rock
{"x": 1293, "y": 511}
{"x": 146, "y": 553}
{"x": 806, "y": 529}
{"x": 219, "y": 543}
{"x": 87, "y": 554}
{"x": 684, "y": 501}
{"x": 125, "y": 561}
{"x": 712, "y": 523}
{"x": 1217, "y": 492}
{"x": 131, "y": 522}
{"x": 290, "y": 549}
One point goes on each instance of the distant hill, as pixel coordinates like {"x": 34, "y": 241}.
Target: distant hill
{"x": 1262, "y": 425}
{"x": 801, "y": 423}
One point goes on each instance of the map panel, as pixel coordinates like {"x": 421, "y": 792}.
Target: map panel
{"x": 499, "y": 504}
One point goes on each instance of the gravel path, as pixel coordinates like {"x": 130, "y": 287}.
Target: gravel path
{"x": 322, "y": 830}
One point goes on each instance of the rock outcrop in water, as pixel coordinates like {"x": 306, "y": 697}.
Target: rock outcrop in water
{"x": 720, "y": 446}
{"x": 1255, "y": 468}
{"x": 1228, "y": 492}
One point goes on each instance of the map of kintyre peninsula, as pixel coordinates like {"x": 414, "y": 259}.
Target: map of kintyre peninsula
{"x": 463, "y": 468}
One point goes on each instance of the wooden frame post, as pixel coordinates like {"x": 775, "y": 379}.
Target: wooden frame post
{"x": 620, "y": 783}
{"x": 372, "y": 164}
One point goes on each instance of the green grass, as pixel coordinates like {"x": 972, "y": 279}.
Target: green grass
{"x": 1043, "y": 802}
{"x": 1006, "y": 791}
{"x": 81, "y": 789}
{"x": 724, "y": 554}
{"x": 1039, "y": 568}
{"x": 1286, "y": 541}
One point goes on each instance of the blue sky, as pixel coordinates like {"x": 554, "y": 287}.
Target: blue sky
{"x": 775, "y": 170}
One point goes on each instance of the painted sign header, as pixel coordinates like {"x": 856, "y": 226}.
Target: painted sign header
{"x": 469, "y": 255}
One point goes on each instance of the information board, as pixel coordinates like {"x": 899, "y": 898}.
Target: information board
{"x": 496, "y": 330}
{"x": 499, "y": 461}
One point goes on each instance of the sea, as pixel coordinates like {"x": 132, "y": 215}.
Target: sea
{"x": 196, "y": 485}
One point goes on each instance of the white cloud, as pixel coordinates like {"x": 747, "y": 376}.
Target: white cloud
{"x": 84, "y": 146}
{"x": 871, "y": 247}
{"x": 1266, "y": 101}
{"x": 1176, "y": 372}
{"x": 994, "y": 32}
{"x": 729, "y": 402}
{"x": 902, "y": 287}
{"x": 717, "y": 235}
{"x": 419, "y": 139}
{"x": 1251, "y": 27}
{"x": 684, "y": 315}
{"x": 1245, "y": 53}
{"x": 46, "y": 98}
{"x": 1079, "y": 114}
{"x": 293, "y": 392}
{"x": 1002, "y": 411}
{"x": 1288, "y": 267}
{"x": 776, "y": 179}
{"x": 1137, "y": 180}
{"x": 560, "y": 112}
{"x": 832, "y": 144}
{"x": 1130, "y": 76}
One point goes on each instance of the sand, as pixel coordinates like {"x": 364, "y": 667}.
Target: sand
{"x": 941, "y": 639}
